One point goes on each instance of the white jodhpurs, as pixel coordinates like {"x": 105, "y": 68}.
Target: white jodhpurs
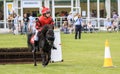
{"x": 36, "y": 37}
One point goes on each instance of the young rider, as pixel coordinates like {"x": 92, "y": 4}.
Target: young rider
{"x": 44, "y": 19}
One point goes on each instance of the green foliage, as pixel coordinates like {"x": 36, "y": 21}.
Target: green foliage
{"x": 82, "y": 56}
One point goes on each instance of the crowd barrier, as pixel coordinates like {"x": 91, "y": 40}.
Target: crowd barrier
{"x": 98, "y": 24}
{"x": 17, "y": 55}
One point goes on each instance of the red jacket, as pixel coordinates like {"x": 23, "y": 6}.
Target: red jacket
{"x": 43, "y": 21}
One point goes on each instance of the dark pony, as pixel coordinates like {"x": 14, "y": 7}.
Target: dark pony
{"x": 45, "y": 43}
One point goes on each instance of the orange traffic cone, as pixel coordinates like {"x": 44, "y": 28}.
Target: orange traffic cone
{"x": 108, "y": 59}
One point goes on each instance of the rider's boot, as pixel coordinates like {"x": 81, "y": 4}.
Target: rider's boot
{"x": 36, "y": 45}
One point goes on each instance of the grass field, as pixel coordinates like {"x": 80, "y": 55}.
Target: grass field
{"x": 84, "y": 56}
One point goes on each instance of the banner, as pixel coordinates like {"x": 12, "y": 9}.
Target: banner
{"x": 9, "y": 9}
{"x": 56, "y": 54}
{"x": 31, "y": 3}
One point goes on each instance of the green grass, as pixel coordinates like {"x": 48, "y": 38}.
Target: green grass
{"x": 84, "y": 56}
{"x": 10, "y": 40}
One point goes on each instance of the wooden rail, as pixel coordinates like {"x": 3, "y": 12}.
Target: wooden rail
{"x": 17, "y": 55}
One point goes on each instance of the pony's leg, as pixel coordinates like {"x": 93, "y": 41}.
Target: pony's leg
{"x": 43, "y": 59}
{"x": 43, "y": 56}
{"x": 30, "y": 46}
{"x": 41, "y": 44}
{"x": 34, "y": 57}
{"x": 48, "y": 57}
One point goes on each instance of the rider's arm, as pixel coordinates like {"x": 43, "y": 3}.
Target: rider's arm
{"x": 52, "y": 22}
{"x": 38, "y": 24}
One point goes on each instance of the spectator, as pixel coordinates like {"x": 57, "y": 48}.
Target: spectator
{"x": 115, "y": 21}
{"x": 31, "y": 24}
{"x": 70, "y": 28}
{"x": 114, "y": 25}
{"x": 70, "y": 19}
{"x": 15, "y": 24}
{"x": 89, "y": 27}
{"x": 65, "y": 27}
{"x": 20, "y": 25}
{"x": 78, "y": 26}
{"x": 108, "y": 24}
{"x": 10, "y": 22}
{"x": 84, "y": 25}
{"x": 25, "y": 21}
{"x": 114, "y": 15}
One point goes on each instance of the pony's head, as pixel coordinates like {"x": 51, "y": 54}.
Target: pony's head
{"x": 50, "y": 36}
{"x": 47, "y": 32}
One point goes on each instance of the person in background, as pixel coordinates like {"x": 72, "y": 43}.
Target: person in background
{"x": 114, "y": 15}
{"x": 70, "y": 28}
{"x": 78, "y": 26}
{"x": 31, "y": 24}
{"x": 89, "y": 27}
{"x": 25, "y": 21}
{"x": 108, "y": 24}
{"x": 114, "y": 25}
{"x": 70, "y": 22}
{"x": 65, "y": 27}
{"x": 84, "y": 26}
{"x": 20, "y": 25}
{"x": 15, "y": 31}
{"x": 70, "y": 18}
{"x": 10, "y": 22}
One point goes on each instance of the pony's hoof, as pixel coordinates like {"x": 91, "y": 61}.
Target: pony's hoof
{"x": 44, "y": 65}
{"x": 35, "y": 64}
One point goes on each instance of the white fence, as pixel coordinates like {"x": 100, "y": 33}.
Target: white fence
{"x": 99, "y": 24}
